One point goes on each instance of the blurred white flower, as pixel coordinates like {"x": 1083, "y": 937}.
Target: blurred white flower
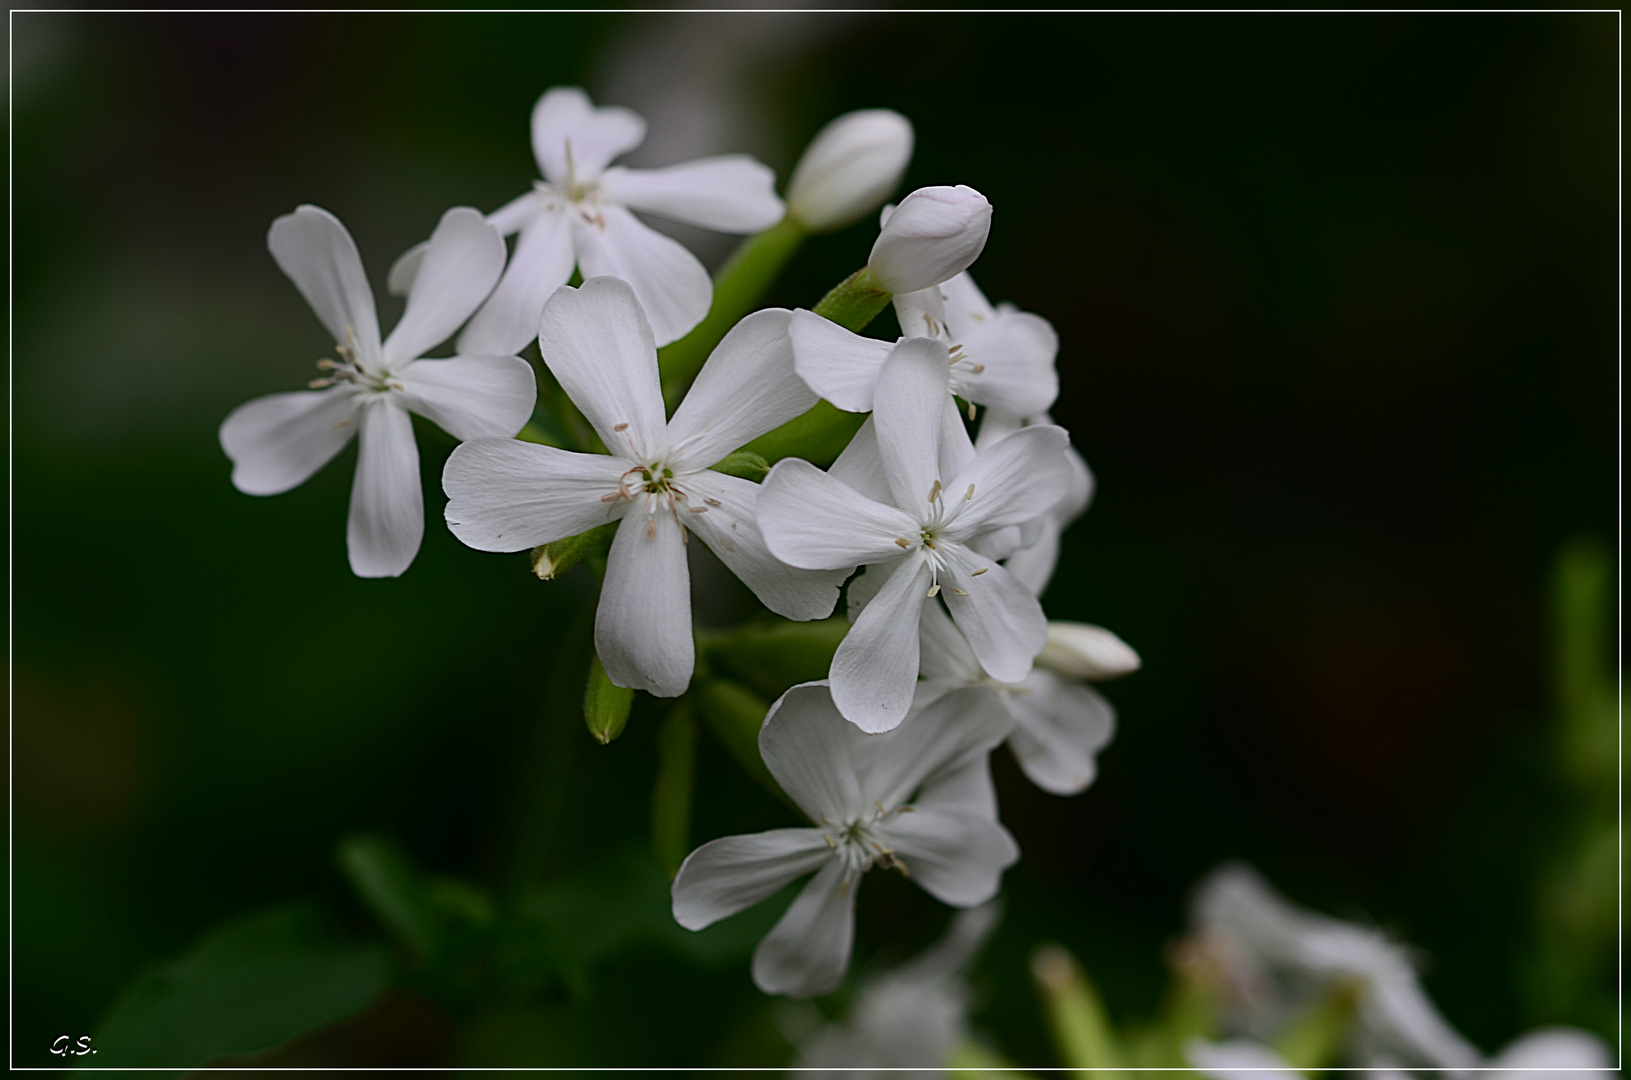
{"x": 909, "y": 1017}
{"x": 509, "y": 496}
{"x": 1237, "y": 1059}
{"x": 277, "y": 442}
{"x": 896, "y": 801}
{"x": 578, "y": 215}
{"x": 1553, "y": 1053}
{"x": 1084, "y": 651}
{"x": 911, "y": 498}
{"x": 849, "y": 169}
{"x": 1059, "y": 725}
{"x": 933, "y": 235}
{"x": 999, "y": 357}
{"x": 1289, "y": 948}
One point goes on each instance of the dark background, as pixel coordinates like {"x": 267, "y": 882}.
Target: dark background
{"x": 1338, "y": 303}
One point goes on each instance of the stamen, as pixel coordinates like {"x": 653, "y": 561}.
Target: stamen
{"x": 325, "y": 364}
{"x": 699, "y": 509}
{"x": 651, "y": 528}
{"x": 318, "y": 384}
{"x": 959, "y": 592}
{"x": 973, "y": 411}
{"x": 934, "y": 492}
{"x": 903, "y": 542}
{"x": 879, "y": 805}
{"x": 978, "y": 368}
{"x": 934, "y": 590}
{"x": 843, "y": 887}
{"x": 342, "y": 423}
{"x": 624, "y": 426}
{"x": 712, "y": 502}
{"x": 980, "y": 571}
{"x": 685, "y": 538}
{"x": 611, "y": 496}
{"x": 830, "y": 844}
{"x": 969, "y": 494}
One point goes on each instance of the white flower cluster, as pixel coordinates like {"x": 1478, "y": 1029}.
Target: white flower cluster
{"x": 954, "y": 537}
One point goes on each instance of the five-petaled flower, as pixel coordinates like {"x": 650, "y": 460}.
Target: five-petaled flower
{"x": 896, "y": 801}
{"x": 910, "y": 497}
{"x": 578, "y": 215}
{"x": 276, "y": 442}
{"x": 509, "y": 496}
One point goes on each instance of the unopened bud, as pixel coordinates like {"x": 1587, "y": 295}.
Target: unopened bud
{"x": 551, "y": 560}
{"x": 933, "y": 235}
{"x": 1082, "y": 651}
{"x": 849, "y": 169}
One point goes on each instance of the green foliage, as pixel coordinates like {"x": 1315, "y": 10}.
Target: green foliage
{"x": 1082, "y": 1035}
{"x": 393, "y": 892}
{"x": 743, "y": 463}
{"x": 770, "y": 656}
{"x": 671, "y": 794}
{"x": 734, "y": 714}
{"x": 605, "y": 704}
{"x": 1313, "y": 1040}
{"x": 817, "y": 436}
{"x": 247, "y": 986}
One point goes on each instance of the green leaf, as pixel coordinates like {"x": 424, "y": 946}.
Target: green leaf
{"x": 605, "y": 705}
{"x": 1082, "y": 1035}
{"x": 671, "y": 794}
{"x": 817, "y": 436}
{"x": 247, "y": 986}
{"x": 393, "y": 891}
{"x": 743, "y": 463}
{"x": 769, "y": 657}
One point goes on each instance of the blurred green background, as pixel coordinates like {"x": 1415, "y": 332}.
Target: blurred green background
{"x": 1338, "y": 303}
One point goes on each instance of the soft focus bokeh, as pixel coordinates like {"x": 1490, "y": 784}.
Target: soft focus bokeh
{"x": 1338, "y": 303}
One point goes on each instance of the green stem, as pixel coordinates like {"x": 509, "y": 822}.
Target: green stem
{"x": 741, "y": 281}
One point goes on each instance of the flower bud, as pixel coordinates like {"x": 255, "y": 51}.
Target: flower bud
{"x": 1081, "y": 651}
{"x": 933, "y": 235}
{"x": 849, "y": 169}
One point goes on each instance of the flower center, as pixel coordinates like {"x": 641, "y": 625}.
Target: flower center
{"x": 350, "y": 369}
{"x": 861, "y": 843}
{"x": 655, "y": 483}
{"x": 937, "y": 548}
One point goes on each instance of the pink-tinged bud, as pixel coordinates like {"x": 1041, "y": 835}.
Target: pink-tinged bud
{"x": 1082, "y": 651}
{"x": 932, "y": 236}
{"x": 849, "y": 169}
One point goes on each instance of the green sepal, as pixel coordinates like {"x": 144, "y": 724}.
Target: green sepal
{"x": 551, "y": 560}
{"x": 770, "y": 656}
{"x": 734, "y": 714}
{"x": 671, "y": 793}
{"x": 743, "y": 463}
{"x": 605, "y": 704}
{"x": 855, "y": 301}
{"x": 1082, "y": 1035}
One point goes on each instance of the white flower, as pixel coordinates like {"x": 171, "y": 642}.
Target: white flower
{"x": 911, "y": 498}
{"x": 849, "y": 169}
{"x": 1034, "y": 560}
{"x": 934, "y": 234}
{"x": 578, "y": 215}
{"x": 911, "y": 1016}
{"x": 509, "y": 496}
{"x": 858, "y": 790}
{"x": 1084, "y": 651}
{"x": 276, "y": 442}
{"x": 1267, "y": 935}
{"x": 1000, "y": 358}
{"x": 1552, "y": 1053}
{"x": 1059, "y": 725}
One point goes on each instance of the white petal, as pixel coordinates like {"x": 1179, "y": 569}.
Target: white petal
{"x": 934, "y": 234}
{"x": 1017, "y": 479}
{"x": 461, "y": 266}
{"x": 727, "y": 526}
{"x": 875, "y": 668}
{"x": 747, "y": 387}
{"x": 814, "y": 522}
{"x": 513, "y": 216}
{"x": 908, "y": 411}
{"x": 400, "y": 278}
{"x": 966, "y": 305}
{"x": 861, "y": 467}
{"x": 732, "y": 874}
{"x": 276, "y": 442}
{"x": 672, "y": 285}
{"x": 1059, "y": 728}
{"x": 732, "y": 193}
{"x": 969, "y": 786}
{"x": 946, "y": 655}
{"x": 807, "y": 952}
{"x": 945, "y": 735}
{"x": 1084, "y": 651}
{"x": 542, "y": 263}
{"x": 840, "y": 366}
{"x": 998, "y": 615}
{"x": 1034, "y": 563}
{"x": 472, "y": 397}
{"x": 1016, "y": 350}
{"x": 1552, "y": 1048}
{"x": 1237, "y": 1059}
{"x": 849, "y": 168}
{"x": 922, "y": 314}
{"x": 810, "y": 749}
{"x": 956, "y": 855}
{"x": 506, "y": 495}
{"x": 997, "y": 424}
{"x": 313, "y": 248}
{"x": 643, "y": 624}
{"x": 956, "y": 448}
{"x": 598, "y": 345}
{"x": 1400, "y": 1012}
{"x": 387, "y": 506}
{"x": 565, "y": 115}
